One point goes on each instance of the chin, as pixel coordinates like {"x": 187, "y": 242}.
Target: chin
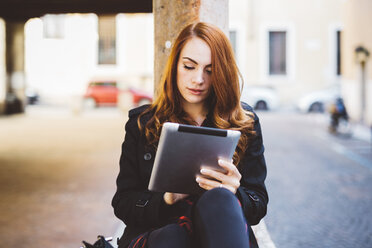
{"x": 195, "y": 101}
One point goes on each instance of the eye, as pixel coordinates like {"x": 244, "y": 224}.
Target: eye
{"x": 188, "y": 67}
{"x": 209, "y": 71}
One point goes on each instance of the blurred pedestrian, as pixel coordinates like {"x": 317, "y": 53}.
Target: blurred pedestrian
{"x": 200, "y": 86}
{"x": 338, "y": 112}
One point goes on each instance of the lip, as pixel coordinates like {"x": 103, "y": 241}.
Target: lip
{"x": 195, "y": 91}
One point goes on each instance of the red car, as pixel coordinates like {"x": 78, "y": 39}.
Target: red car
{"x": 106, "y": 93}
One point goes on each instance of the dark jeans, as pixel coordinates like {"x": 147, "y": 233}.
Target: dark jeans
{"x": 218, "y": 221}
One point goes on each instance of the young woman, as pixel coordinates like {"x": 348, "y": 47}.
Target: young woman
{"x": 200, "y": 86}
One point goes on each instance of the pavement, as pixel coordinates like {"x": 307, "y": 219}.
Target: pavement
{"x": 362, "y": 132}
{"x": 319, "y": 183}
{"x": 57, "y": 176}
{"x": 58, "y": 171}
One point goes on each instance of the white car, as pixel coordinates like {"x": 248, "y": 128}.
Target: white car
{"x": 260, "y": 97}
{"x": 317, "y": 101}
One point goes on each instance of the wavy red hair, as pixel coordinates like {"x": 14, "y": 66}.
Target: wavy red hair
{"x": 224, "y": 100}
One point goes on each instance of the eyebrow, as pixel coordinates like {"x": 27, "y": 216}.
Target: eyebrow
{"x": 194, "y": 61}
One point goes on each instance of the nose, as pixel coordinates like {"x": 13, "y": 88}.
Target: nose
{"x": 199, "y": 77}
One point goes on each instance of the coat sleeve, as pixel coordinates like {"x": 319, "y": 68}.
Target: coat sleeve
{"x": 132, "y": 202}
{"x": 252, "y": 191}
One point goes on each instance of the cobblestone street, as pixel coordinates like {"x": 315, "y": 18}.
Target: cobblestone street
{"x": 57, "y": 178}
{"x": 319, "y": 185}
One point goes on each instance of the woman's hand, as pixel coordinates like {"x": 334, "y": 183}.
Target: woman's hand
{"x": 172, "y": 198}
{"x": 215, "y": 179}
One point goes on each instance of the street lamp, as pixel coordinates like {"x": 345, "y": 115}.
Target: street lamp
{"x": 361, "y": 57}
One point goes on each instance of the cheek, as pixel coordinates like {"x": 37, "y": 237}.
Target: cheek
{"x": 179, "y": 76}
{"x": 209, "y": 83}
{"x": 182, "y": 77}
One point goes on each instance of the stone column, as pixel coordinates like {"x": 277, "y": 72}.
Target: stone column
{"x": 2, "y": 67}
{"x": 171, "y": 16}
{"x": 15, "y": 74}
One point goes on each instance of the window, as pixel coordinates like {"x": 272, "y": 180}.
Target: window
{"x": 277, "y": 53}
{"x": 53, "y": 26}
{"x": 107, "y": 40}
{"x": 232, "y": 34}
{"x": 338, "y": 53}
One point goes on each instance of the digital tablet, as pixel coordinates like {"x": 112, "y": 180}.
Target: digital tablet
{"x": 183, "y": 150}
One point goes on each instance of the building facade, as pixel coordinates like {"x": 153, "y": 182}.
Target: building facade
{"x": 291, "y": 46}
{"x": 65, "y": 52}
{"x": 295, "y": 47}
{"x": 357, "y": 62}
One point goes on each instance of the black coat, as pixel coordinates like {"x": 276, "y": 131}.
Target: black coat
{"x": 142, "y": 210}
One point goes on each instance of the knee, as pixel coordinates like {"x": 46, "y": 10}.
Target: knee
{"x": 218, "y": 194}
{"x": 217, "y": 197}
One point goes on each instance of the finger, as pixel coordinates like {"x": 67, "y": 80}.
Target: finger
{"x": 230, "y": 167}
{"x": 209, "y": 187}
{"x": 234, "y": 183}
{"x": 205, "y": 186}
{"x": 228, "y": 187}
{"x": 230, "y": 180}
{"x": 210, "y": 184}
{"x": 213, "y": 174}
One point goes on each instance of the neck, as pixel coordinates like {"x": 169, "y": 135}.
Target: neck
{"x": 197, "y": 112}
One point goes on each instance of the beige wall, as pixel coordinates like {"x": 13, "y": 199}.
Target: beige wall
{"x": 311, "y": 27}
{"x": 311, "y": 44}
{"x": 357, "y": 16}
{"x": 60, "y": 69}
{"x": 136, "y": 49}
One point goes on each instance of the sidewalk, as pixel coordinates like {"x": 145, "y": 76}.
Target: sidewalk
{"x": 57, "y": 176}
{"x": 354, "y": 129}
{"x": 332, "y": 175}
{"x": 362, "y": 132}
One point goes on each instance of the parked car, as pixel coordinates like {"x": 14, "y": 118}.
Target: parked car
{"x": 317, "y": 101}
{"x": 106, "y": 93}
{"x": 260, "y": 97}
{"x": 140, "y": 97}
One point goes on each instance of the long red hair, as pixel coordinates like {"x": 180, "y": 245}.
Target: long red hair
{"x": 224, "y": 100}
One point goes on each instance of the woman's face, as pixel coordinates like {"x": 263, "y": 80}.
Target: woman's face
{"x": 194, "y": 71}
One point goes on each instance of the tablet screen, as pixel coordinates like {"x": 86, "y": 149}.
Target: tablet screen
{"x": 183, "y": 150}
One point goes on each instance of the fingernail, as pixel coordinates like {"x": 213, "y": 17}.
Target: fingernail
{"x": 197, "y": 179}
{"x": 202, "y": 170}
